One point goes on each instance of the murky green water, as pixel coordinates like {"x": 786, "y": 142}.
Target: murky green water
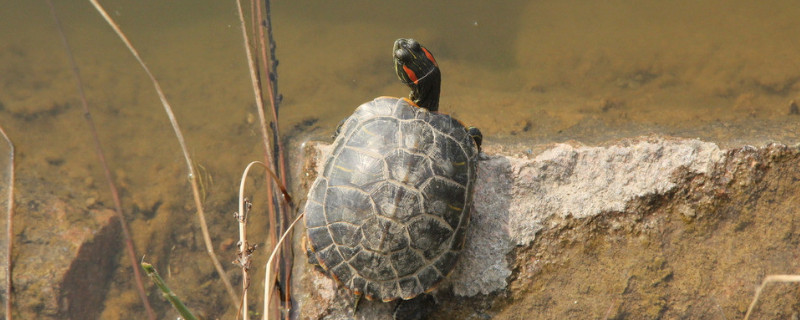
{"x": 525, "y": 72}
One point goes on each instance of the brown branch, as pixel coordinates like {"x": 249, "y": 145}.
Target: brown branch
{"x": 242, "y": 215}
{"x": 277, "y": 221}
{"x": 129, "y": 247}
{"x": 270, "y": 65}
{"x": 272, "y": 256}
{"x": 256, "y": 85}
{"x": 9, "y": 228}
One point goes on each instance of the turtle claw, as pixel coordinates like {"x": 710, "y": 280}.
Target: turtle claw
{"x": 355, "y": 304}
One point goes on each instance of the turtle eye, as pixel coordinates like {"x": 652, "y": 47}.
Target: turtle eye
{"x": 413, "y": 44}
{"x": 402, "y": 55}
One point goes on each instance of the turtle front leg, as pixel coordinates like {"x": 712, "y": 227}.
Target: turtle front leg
{"x": 338, "y": 129}
{"x": 476, "y": 135}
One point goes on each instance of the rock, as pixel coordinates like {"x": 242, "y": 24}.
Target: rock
{"x": 530, "y": 206}
{"x": 515, "y": 195}
{"x": 64, "y": 258}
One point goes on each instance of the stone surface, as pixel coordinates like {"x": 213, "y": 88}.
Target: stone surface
{"x": 695, "y": 252}
{"x": 64, "y": 257}
{"x": 529, "y": 206}
{"x": 516, "y": 195}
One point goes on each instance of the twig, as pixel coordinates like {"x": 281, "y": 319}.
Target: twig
{"x": 259, "y": 106}
{"x": 129, "y": 248}
{"x": 276, "y": 223}
{"x": 179, "y": 135}
{"x": 768, "y": 279}
{"x": 9, "y": 228}
{"x": 244, "y": 246}
{"x": 254, "y": 81}
{"x": 168, "y": 294}
{"x": 271, "y": 66}
{"x": 272, "y": 256}
{"x": 244, "y": 211}
{"x": 272, "y": 217}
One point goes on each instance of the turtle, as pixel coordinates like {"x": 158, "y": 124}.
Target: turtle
{"x": 387, "y": 217}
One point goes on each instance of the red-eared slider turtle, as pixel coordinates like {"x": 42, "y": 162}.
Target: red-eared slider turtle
{"x": 388, "y": 215}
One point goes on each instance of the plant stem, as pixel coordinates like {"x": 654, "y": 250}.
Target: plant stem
{"x": 171, "y": 297}
{"x": 270, "y": 65}
{"x": 9, "y": 228}
{"x": 768, "y": 279}
{"x": 272, "y": 256}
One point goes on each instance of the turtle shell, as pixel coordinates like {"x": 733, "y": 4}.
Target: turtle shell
{"x": 389, "y": 213}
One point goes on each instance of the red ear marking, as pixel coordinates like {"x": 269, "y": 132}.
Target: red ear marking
{"x": 430, "y": 56}
{"x": 411, "y": 75}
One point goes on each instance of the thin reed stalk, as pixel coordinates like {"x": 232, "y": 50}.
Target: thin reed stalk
{"x": 9, "y": 229}
{"x": 270, "y": 63}
{"x": 272, "y": 257}
{"x": 276, "y": 220}
{"x": 129, "y": 247}
{"x": 260, "y": 107}
{"x": 769, "y": 279}
{"x": 270, "y": 66}
{"x": 243, "y": 214}
{"x": 273, "y": 208}
{"x": 189, "y": 164}
{"x": 244, "y": 247}
{"x": 254, "y": 81}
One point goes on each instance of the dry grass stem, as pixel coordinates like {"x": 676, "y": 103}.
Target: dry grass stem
{"x": 245, "y": 250}
{"x": 254, "y": 80}
{"x": 275, "y": 222}
{"x": 270, "y": 69}
{"x": 244, "y": 246}
{"x": 270, "y": 64}
{"x": 273, "y": 211}
{"x": 192, "y": 175}
{"x": 769, "y": 279}
{"x": 275, "y": 250}
{"x": 9, "y": 228}
{"x": 130, "y": 250}
{"x": 260, "y": 108}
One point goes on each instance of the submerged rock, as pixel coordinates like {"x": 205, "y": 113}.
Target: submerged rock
{"x": 64, "y": 258}
{"x": 642, "y": 228}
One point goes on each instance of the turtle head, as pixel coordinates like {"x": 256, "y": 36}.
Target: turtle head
{"x": 416, "y": 67}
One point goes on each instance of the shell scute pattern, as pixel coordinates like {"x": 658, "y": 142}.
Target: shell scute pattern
{"x": 371, "y": 135}
{"x": 417, "y": 136}
{"x": 347, "y": 204}
{"x": 443, "y": 200}
{"x": 396, "y": 202}
{"x": 353, "y": 167}
{"x": 388, "y": 214}
{"x": 408, "y": 168}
